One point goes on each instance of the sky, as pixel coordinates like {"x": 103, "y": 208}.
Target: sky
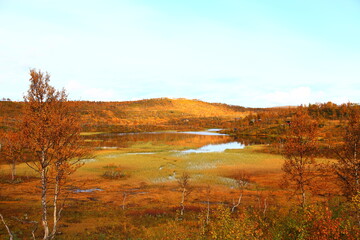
{"x": 242, "y": 52}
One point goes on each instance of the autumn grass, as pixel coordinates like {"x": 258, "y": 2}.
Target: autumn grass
{"x": 150, "y": 185}
{"x": 90, "y": 133}
{"x": 163, "y": 163}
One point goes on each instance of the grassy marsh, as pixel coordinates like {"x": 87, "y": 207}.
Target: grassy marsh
{"x": 146, "y": 173}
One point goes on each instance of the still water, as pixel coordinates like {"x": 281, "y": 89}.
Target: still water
{"x": 199, "y": 142}
{"x": 216, "y": 147}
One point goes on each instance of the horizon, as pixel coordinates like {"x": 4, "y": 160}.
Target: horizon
{"x": 234, "y": 52}
{"x": 144, "y": 99}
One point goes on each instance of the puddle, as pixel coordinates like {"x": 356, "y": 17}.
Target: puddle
{"x": 216, "y": 148}
{"x": 87, "y": 190}
{"x": 214, "y": 129}
{"x": 135, "y": 193}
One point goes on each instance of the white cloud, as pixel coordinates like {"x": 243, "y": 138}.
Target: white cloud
{"x": 73, "y": 85}
{"x": 295, "y": 96}
{"x": 98, "y": 94}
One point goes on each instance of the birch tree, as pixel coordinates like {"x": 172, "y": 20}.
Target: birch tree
{"x": 242, "y": 180}
{"x": 185, "y": 188}
{"x": 11, "y": 150}
{"x": 299, "y": 151}
{"x": 51, "y": 133}
{"x": 347, "y": 167}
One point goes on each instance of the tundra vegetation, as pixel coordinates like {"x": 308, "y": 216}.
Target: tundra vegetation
{"x": 297, "y": 176}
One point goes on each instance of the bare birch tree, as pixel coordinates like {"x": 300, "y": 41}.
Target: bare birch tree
{"x": 242, "y": 180}
{"x": 184, "y": 184}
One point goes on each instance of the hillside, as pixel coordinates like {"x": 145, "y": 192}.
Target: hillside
{"x": 144, "y": 115}
{"x": 157, "y": 114}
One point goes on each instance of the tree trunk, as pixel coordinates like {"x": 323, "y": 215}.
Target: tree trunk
{"x": 56, "y": 213}
{"x": 123, "y": 202}
{"x": 44, "y": 203}
{"x": 302, "y": 181}
{"x": 265, "y": 206}
{"x": 238, "y": 203}
{"x": 303, "y": 196}
{"x": 356, "y": 169}
{"x": 13, "y": 170}
{"x": 182, "y": 202}
{"x": 208, "y": 211}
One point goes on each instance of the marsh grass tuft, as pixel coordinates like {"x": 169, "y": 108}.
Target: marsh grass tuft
{"x": 113, "y": 172}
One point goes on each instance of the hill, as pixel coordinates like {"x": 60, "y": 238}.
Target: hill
{"x": 157, "y": 114}
{"x": 144, "y": 115}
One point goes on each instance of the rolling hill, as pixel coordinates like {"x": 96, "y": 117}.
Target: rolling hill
{"x": 143, "y": 115}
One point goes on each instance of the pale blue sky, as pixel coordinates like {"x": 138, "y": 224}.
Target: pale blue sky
{"x": 251, "y": 53}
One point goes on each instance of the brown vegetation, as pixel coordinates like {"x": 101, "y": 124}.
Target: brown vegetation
{"x": 105, "y": 202}
{"x": 348, "y": 164}
{"x": 50, "y": 133}
{"x": 300, "y": 150}
{"x": 142, "y": 115}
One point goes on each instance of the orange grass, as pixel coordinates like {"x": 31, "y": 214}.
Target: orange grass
{"x": 144, "y": 198}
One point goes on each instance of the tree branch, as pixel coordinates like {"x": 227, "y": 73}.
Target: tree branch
{"x": 7, "y": 228}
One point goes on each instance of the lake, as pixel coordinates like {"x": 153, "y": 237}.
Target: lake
{"x": 195, "y": 142}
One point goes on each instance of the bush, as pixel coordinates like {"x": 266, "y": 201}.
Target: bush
{"x": 225, "y": 225}
{"x": 114, "y": 172}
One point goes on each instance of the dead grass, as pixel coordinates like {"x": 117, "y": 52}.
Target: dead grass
{"x": 150, "y": 184}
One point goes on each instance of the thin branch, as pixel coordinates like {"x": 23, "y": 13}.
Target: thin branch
{"x": 123, "y": 202}
{"x": 7, "y": 228}
{"x": 238, "y": 203}
{"x": 35, "y": 226}
{"x": 36, "y": 170}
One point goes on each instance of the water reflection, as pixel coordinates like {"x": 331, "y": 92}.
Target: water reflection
{"x": 204, "y": 133}
{"x": 199, "y": 142}
{"x": 182, "y": 139}
{"x": 216, "y": 148}
{"x": 87, "y": 190}
{"x": 253, "y": 140}
{"x": 214, "y": 129}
